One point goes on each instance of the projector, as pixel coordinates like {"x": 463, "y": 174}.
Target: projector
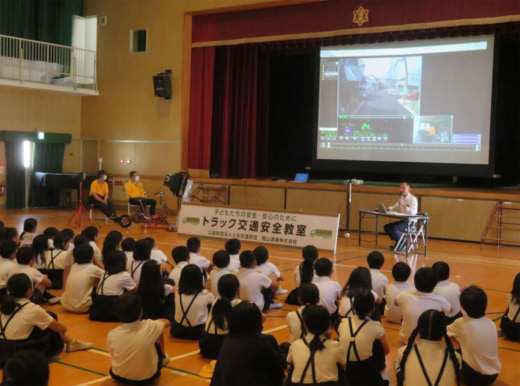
{"x": 354, "y": 181}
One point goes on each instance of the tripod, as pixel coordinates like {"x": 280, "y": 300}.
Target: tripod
{"x": 80, "y": 208}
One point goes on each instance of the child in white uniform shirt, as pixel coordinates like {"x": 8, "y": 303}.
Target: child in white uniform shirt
{"x": 330, "y": 290}
{"x": 158, "y": 255}
{"x": 268, "y": 268}
{"x": 448, "y": 290}
{"x": 401, "y": 273}
{"x": 232, "y": 246}
{"x": 142, "y": 252}
{"x": 221, "y": 267}
{"x": 309, "y": 295}
{"x": 56, "y": 260}
{"x": 358, "y": 282}
{"x": 27, "y": 326}
{"x": 29, "y": 231}
{"x": 428, "y": 360}
{"x": 92, "y": 234}
{"x": 193, "y": 245}
{"x": 181, "y": 256}
{"x": 155, "y": 292}
{"x": 510, "y": 323}
{"x": 365, "y": 343}
{"x": 255, "y": 286}
{"x": 137, "y": 347}
{"x": 217, "y": 322}
{"x": 477, "y": 337}
{"x": 115, "y": 282}
{"x": 8, "y": 254}
{"x": 83, "y": 277}
{"x": 191, "y": 305}
{"x": 304, "y": 272}
{"x": 414, "y": 303}
{"x": 314, "y": 358}
{"x": 111, "y": 243}
{"x": 375, "y": 261}
{"x": 128, "y": 245}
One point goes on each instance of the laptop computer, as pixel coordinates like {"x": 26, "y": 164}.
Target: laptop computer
{"x": 301, "y": 177}
{"x": 381, "y": 208}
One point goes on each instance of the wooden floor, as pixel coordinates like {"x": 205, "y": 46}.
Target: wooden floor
{"x": 491, "y": 268}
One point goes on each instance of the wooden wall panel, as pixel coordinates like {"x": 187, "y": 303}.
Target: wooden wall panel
{"x": 256, "y": 197}
{"x": 318, "y": 201}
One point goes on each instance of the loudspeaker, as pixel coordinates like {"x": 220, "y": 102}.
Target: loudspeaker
{"x": 162, "y": 84}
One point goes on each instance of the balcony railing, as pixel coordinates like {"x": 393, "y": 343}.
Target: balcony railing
{"x": 27, "y": 60}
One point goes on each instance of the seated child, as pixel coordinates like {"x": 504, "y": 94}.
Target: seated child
{"x": 247, "y": 356}
{"x": 232, "y": 246}
{"x": 25, "y": 259}
{"x": 69, "y": 232}
{"x": 51, "y": 232}
{"x": 193, "y": 245}
{"x": 510, "y": 322}
{"x": 8, "y": 254}
{"x": 309, "y": 295}
{"x": 82, "y": 278}
{"x": 142, "y": 252}
{"x": 116, "y": 280}
{"x": 217, "y": 323}
{"x": 414, "y": 303}
{"x": 191, "y": 305}
{"x": 448, "y": 290}
{"x": 26, "y": 368}
{"x": 56, "y": 259}
{"x": 29, "y": 231}
{"x": 111, "y": 243}
{"x": 428, "y": 360}
{"x": 376, "y": 260}
{"x": 92, "y": 234}
{"x": 155, "y": 292}
{"x": 158, "y": 255}
{"x": 181, "y": 256}
{"x": 40, "y": 244}
{"x": 78, "y": 240}
{"x": 401, "y": 273}
{"x": 221, "y": 263}
{"x": 255, "y": 286}
{"x": 330, "y": 290}
{"x": 266, "y": 267}
{"x": 314, "y": 358}
{"x": 477, "y": 337}
{"x": 128, "y": 245}
{"x": 365, "y": 343}
{"x": 27, "y": 326}
{"x": 137, "y": 346}
{"x": 303, "y": 273}
{"x": 358, "y": 282}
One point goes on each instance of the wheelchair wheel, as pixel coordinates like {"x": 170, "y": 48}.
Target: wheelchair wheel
{"x": 125, "y": 221}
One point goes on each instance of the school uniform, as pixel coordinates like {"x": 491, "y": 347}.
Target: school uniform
{"x": 5, "y": 267}
{"x": 215, "y": 275}
{"x": 35, "y": 275}
{"x": 248, "y": 359}
{"x": 107, "y": 293}
{"x": 97, "y": 252}
{"x": 55, "y": 262}
{"x": 116, "y": 284}
{"x": 298, "y": 275}
{"x": 212, "y": 338}
{"x": 393, "y": 312}
{"x": 26, "y": 239}
{"x": 26, "y": 328}
{"x": 413, "y": 303}
{"x": 432, "y": 354}
{"x": 357, "y": 337}
{"x": 326, "y": 361}
{"x": 379, "y": 282}
{"x": 129, "y": 260}
{"x": 175, "y": 273}
{"x": 329, "y": 290}
{"x": 191, "y": 312}
{"x": 157, "y": 255}
{"x": 294, "y": 320}
{"x": 78, "y": 290}
{"x": 345, "y": 305}
{"x": 451, "y": 292}
{"x": 479, "y": 346}
{"x": 136, "y": 359}
{"x": 234, "y": 263}
{"x": 510, "y": 322}
{"x": 135, "y": 269}
{"x": 251, "y": 285}
{"x": 268, "y": 268}
{"x": 199, "y": 261}
{"x": 161, "y": 307}
{"x": 292, "y": 297}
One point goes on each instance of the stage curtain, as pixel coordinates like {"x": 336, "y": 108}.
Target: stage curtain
{"x": 48, "y": 158}
{"x": 15, "y": 180}
{"x": 201, "y": 108}
{"x": 234, "y": 148}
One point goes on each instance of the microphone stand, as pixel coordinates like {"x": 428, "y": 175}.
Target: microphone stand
{"x": 80, "y": 208}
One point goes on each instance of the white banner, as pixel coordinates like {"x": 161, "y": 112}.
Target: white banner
{"x": 295, "y": 229}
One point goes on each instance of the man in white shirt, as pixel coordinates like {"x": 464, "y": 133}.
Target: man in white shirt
{"x": 407, "y": 204}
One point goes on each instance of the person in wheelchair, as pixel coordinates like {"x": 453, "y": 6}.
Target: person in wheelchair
{"x": 136, "y": 195}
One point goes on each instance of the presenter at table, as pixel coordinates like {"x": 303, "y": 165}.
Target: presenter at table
{"x": 407, "y": 204}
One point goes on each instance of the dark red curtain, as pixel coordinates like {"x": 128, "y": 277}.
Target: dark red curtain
{"x": 235, "y": 120}
{"x": 201, "y": 107}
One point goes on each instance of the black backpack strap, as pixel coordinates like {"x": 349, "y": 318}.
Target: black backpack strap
{"x": 302, "y": 326}
{"x": 16, "y": 310}
{"x": 211, "y": 321}
{"x": 516, "y": 315}
{"x": 105, "y": 275}
{"x": 185, "y": 312}
{"x": 441, "y": 371}
{"x": 352, "y": 343}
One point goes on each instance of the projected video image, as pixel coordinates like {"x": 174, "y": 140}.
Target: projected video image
{"x": 380, "y": 86}
{"x": 432, "y": 129}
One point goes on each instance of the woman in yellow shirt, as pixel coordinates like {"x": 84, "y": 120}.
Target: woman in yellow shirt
{"x": 99, "y": 195}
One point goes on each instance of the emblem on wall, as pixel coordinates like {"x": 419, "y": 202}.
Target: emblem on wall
{"x": 360, "y": 16}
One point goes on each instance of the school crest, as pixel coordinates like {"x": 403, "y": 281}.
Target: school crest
{"x": 360, "y": 16}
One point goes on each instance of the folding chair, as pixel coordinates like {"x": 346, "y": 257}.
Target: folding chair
{"x": 415, "y": 236}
